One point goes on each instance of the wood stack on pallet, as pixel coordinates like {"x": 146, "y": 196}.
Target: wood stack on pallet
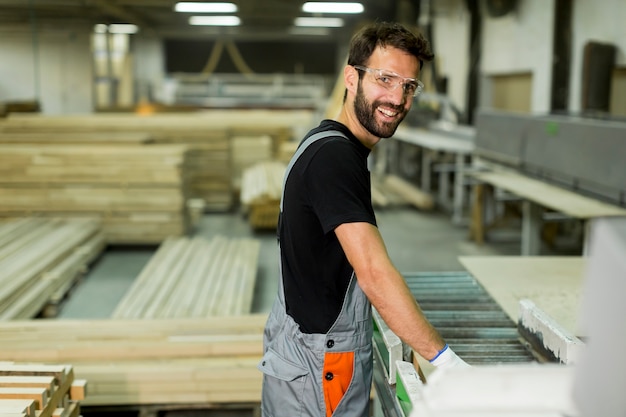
{"x": 140, "y": 192}
{"x": 39, "y": 390}
{"x": 40, "y": 260}
{"x": 261, "y": 190}
{"x": 194, "y": 277}
{"x": 206, "y": 362}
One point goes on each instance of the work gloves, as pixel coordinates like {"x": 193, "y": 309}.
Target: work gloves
{"x": 446, "y": 358}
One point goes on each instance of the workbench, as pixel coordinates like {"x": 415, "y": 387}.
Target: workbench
{"x": 438, "y": 141}
{"x": 538, "y": 195}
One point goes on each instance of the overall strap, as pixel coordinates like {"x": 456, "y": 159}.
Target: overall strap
{"x": 300, "y": 151}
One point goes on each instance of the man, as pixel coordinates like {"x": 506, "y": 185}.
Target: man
{"x": 318, "y": 347}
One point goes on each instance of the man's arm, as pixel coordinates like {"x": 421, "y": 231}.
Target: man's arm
{"x": 386, "y": 289}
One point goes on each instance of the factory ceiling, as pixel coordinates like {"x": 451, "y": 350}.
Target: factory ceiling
{"x": 260, "y": 19}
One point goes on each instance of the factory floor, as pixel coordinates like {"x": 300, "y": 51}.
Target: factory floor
{"x": 416, "y": 241}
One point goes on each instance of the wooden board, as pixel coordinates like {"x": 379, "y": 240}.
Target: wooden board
{"x": 553, "y": 283}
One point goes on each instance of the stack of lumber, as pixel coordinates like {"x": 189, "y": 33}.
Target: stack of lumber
{"x": 261, "y": 191}
{"x": 140, "y": 192}
{"x": 209, "y": 165}
{"x": 39, "y": 390}
{"x": 40, "y": 259}
{"x": 170, "y": 361}
{"x": 211, "y": 132}
{"x": 194, "y": 277}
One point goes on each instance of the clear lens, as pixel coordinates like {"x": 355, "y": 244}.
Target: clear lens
{"x": 390, "y": 81}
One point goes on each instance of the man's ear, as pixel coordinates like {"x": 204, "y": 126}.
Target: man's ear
{"x": 350, "y": 78}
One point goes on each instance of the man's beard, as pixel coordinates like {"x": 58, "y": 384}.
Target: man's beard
{"x": 366, "y": 114}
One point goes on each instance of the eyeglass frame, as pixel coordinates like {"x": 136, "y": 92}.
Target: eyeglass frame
{"x": 378, "y": 73}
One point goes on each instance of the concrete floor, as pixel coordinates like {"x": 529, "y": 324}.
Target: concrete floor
{"x": 416, "y": 242}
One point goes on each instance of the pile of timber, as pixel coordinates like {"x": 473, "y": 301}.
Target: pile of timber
{"x": 140, "y": 192}
{"x": 40, "y": 260}
{"x": 127, "y": 362}
{"x": 40, "y": 390}
{"x": 261, "y": 190}
{"x": 215, "y": 174}
{"x": 194, "y": 277}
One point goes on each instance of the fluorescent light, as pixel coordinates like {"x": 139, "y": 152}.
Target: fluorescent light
{"x": 214, "y": 20}
{"x": 192, "y": 7}
{"x": 123, "y": 28}
{"x": 309, "y": 31}
{"x": 329, "y": 22}
{"x": 327, "y": 7}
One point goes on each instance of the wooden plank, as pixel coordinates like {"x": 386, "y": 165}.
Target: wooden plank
{"x": 26, "y": 407}
{"x": 27, "y": 381}
{"x": 550, "y": 196}
{"x": 39, "y": 395}
{"x": 409, "y": 192}
{"x": 78, "y": 390}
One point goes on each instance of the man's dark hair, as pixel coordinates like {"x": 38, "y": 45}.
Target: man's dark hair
{"x": 386, "y": 34}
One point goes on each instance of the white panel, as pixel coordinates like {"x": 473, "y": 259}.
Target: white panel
{"x": 17, "y": 64}
{"x": 601, "y": 376}
{"x": 451, "y": 27}
{"x": 53, "y": 67}
{"x": 149, "y": 68}
{"x": 521, "y": 42}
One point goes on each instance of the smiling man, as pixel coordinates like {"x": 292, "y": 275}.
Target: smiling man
{"x": 334, "y": 265}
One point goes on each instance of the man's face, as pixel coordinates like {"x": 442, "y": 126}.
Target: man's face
{"x": 380, "y": 110}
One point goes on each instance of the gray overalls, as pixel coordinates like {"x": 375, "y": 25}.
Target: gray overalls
{"x": 318, "y": 374}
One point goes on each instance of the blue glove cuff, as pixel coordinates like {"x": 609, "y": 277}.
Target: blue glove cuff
{"x": 439, "y": 353}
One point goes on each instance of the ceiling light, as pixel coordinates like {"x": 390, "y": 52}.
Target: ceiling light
{"x": 123, "y": 28}
{"x": 329, "y": 22}
{"x": 327, "y": 7}
{"x": 192, "y": 7}
{"x": 309, "y": 31}
{"x": 214, "y": 20}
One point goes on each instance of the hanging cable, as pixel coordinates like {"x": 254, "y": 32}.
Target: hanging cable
{"x": 214, "y": 58}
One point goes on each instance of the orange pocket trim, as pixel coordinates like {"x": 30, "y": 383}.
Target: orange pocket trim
{"x": 336, "y": 378}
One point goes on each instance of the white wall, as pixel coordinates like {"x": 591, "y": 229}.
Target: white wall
{"x": 451, "y": 26}
{"x": 149, "y": 67}
{"x": 602, "y": 21}
{"x": 53, "y": 67}
{"x": 522, "y": 42}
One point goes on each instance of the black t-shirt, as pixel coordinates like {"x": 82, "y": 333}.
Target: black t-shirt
{"x": 328, "y": 185}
